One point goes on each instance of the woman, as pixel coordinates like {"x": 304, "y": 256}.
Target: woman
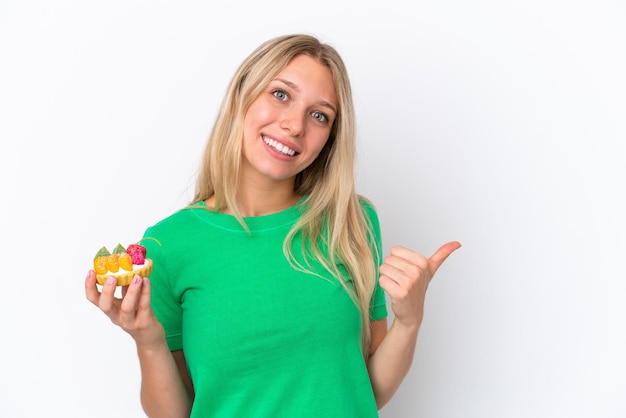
{"x": 266, "y": 297}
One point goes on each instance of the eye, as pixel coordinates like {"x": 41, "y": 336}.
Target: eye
{"x": 320, "y": 117}
{"x": 280, "y": 95}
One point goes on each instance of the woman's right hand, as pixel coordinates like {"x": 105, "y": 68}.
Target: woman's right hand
{"x": 132, "y": 312}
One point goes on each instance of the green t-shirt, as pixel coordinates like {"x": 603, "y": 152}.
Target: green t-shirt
{"x": 261, "y": 339}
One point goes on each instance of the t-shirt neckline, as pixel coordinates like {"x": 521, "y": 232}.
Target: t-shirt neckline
{"x": 284, "y": 217}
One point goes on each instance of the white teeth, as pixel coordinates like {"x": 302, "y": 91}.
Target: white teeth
{"x": 283, "y": 149}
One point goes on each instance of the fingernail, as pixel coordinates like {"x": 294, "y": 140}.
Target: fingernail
{"x": 136, "y": 279}
{"x": 110, "y": 280}
{"x": 90, "y": 274}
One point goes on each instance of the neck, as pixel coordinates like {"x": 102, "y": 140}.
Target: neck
{"x": 265, "y": 198}
{"x": 257, "y": 202}
{"x": 259, "y": 194}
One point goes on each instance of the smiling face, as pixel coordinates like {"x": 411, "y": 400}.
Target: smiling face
{"x": 288, "y": 124}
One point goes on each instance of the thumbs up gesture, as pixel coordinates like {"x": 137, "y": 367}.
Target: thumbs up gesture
{"x": 405, "y": 276}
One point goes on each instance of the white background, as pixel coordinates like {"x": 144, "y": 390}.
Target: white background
{"x": 500, "y": 124}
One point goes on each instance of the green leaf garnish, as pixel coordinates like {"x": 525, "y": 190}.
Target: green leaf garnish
{"x": 119, "y": 249}
{"x": 102, "y": 251}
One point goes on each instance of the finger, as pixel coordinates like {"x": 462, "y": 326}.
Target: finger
{"x": 406, "y": 260}
{"x": 401, "y": 270}
{"x": 107, "y": 296}
{"x": 391, "y": 272}
{"x": 410, "y": 255}
{"x": 128, "y": 308}
{"x": 144, "y": 301}
{"x": 439, "y": 256}
{"x": 144, "y": 307}
{"x": 91, "y": 291}
{"x": 393, "y": 289}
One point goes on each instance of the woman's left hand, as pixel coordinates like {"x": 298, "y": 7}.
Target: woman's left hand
{"x": 405, "y": 276}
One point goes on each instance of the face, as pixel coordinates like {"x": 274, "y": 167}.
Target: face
{"x": 287, "y": 126}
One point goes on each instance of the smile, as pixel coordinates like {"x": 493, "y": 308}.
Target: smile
{"x": 283, "y": 149}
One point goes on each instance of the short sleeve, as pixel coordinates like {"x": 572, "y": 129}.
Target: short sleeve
{"x": 164, "y": 301}
{"x": 378, "y": 307}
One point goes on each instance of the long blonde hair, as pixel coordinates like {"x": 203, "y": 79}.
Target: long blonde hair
{"x": 334, "y": 217}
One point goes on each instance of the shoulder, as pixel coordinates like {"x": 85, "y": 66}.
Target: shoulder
{"x": 369, "y": 209}
{"x": 175, "y": 226}
{"x": 366, "y": 203}
{"x": 176, "y": 219}
{"x": 171, "y": 235}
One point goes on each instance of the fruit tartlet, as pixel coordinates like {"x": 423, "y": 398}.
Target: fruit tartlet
{"x": 122, "y": 263}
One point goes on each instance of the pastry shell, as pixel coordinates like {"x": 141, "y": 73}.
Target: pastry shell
{"x": 124, "y": 278}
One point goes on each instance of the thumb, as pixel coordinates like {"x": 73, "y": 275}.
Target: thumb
{"x": 439, "y": 256}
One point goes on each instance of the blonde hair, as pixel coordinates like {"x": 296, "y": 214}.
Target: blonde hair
{"x": 334, "y": 217}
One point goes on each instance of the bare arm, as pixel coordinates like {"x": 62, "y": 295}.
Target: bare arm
{"x": 181, "y": 362}
{"x": 165, "y": 392}
{"x": 390, "y": 363}
{"x": 405, "y": 276}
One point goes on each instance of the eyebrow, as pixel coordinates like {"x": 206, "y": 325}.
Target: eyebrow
{"x": 296, "y": 88}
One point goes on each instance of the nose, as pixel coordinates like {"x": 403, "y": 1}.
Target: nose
{"x": 293, "y": 121}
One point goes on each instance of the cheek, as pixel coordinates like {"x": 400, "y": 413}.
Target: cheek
{"x": 258, "y": 113}
{"x": 320, "y": 142}
{"x": 251, "y": 120}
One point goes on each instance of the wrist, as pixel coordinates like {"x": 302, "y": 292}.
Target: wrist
{"x": 153, "y": 348}
{"x": 408, "y": 327}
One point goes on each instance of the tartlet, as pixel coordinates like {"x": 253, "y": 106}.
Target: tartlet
{"x": 123, "y": 264}
{"x": 123, "y": 277}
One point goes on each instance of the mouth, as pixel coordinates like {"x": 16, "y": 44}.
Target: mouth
{"x": 278, "y": 147}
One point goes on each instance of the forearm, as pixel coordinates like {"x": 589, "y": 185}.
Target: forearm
{"x": 391, "y": 361}
{"x": 163, "y": 393}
